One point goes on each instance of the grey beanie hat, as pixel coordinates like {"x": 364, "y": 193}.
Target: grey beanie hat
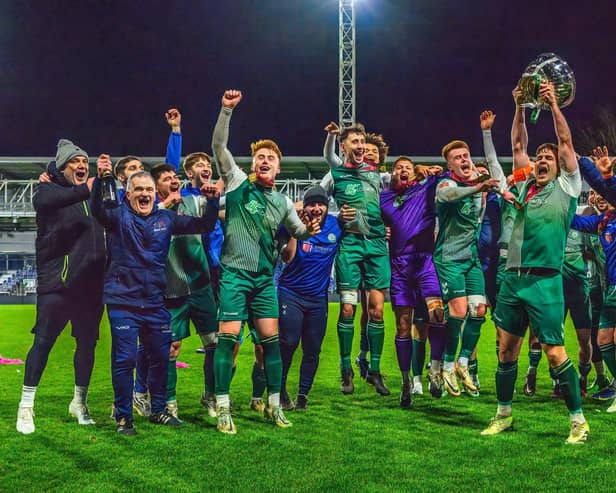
{"x": 67, "y": 151}
{"x": 316, "y": 194}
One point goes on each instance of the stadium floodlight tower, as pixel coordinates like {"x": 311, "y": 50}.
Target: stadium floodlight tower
{"x": 346, "y": 64}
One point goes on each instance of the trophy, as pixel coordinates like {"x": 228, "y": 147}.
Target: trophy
{"x": 551, "y": 68}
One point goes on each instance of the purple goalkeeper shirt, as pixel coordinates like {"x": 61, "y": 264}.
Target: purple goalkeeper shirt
{"x": 411, "y": 215}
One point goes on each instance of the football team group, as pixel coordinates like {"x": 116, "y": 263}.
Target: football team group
{"x": 448, "y": 243}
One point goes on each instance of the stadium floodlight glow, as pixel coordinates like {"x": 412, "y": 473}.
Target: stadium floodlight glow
{"x": 346, "y": 63}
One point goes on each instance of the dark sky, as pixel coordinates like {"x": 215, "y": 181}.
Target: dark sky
{"x": 103, "y": 72}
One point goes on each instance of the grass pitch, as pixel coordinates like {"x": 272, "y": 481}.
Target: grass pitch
{"x": 362, "y": 442}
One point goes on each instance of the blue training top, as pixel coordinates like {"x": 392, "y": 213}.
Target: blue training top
{"x": 309, "y": 272}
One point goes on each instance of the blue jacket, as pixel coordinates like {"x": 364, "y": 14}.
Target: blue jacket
{"x": 606, "y": 187}
{"x": 135, "y": 272}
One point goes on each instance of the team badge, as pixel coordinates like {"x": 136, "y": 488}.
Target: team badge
{"x": 331, "y": 237}
{"x": 255, "y": 208}
{"x": 159, "y": 226}
{"x": 351, "y": 189}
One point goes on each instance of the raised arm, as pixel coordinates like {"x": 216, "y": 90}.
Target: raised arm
{"x": 519, "y": 134}
{"x": 329, "y": 149}
{"x": 595, "y": 179}
{"x": 486, "y": 120}
{"x": 103, "y": 215}
{"x": 174, "y": 145}
{"x": 566, "y": 154}
{"x": 228, "y": 170}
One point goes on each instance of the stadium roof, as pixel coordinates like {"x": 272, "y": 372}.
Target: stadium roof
{"x": 298, "y": 167}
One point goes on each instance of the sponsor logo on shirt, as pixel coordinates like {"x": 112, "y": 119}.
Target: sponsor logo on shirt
{"x": 306, "y": 247}
{"x": 255, "y": 208}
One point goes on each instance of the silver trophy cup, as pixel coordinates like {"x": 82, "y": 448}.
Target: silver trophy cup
{"x": 551, "y": 68}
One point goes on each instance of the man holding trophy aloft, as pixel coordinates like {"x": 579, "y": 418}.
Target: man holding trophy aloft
{"x": 532, "y": 290}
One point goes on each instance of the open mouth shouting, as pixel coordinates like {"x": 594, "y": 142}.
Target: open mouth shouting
{"x": 81, "y": 175}
{"x": 144, "y": 204}
{"x": 206, "y": 174}
{"x": 542, "y": 170}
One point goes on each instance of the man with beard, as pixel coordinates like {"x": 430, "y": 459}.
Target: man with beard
{"x": 408, "y": 208}
{"x": 302, "y": 295}
{"x": 70, "y": 259}
{"x": 254, "y": 212}
{"x": 532, "y": 289}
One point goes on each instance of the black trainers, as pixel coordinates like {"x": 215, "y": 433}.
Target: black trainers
{"x": 125, "y": 426}
{"x": 406, "y": 397}
{"x": 301, "y": 402}
{"x": 376, "y": 379}
{"x": 165, "y": 419}
{"x": 347, "y": 387}
{"x": 285, "y": 401}
{"x": 363, "y": 365}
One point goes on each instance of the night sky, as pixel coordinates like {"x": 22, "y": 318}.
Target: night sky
{"x": 103, "y": 72}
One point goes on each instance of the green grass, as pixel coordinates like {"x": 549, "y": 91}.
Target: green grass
{"x": 362, "y": 442}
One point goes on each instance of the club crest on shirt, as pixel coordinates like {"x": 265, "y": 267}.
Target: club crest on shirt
{"x": 352, "y": 189}
{"x": 399, "y": 200}
{"x": 255, "y": 208}
{"x": 159, "y": 226}
{"x": 331, "y": 237}
{"x": 466, "y": 209}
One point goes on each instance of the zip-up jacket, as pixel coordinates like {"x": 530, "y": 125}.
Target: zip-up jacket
{"x": 70, "y": 242}
{"x": 135, "y": 273}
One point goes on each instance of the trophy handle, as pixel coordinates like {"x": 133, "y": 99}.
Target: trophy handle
{"x": 534, "y": 116}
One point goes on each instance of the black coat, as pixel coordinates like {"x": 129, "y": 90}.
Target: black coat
{"x": 70, "y": 242}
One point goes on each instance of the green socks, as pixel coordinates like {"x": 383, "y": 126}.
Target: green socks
{"x": 222, "y": 362}
{"x": 272, "y": 363}
{"x": 376, "y": 338}
{"x": 418, "y": 357}
{"x": 470, "y": 335}
{"x": 172, "y": 379}
{"x": 608, "y": 354}
{"x": 506, "y": 374}
{"x": 453, "y": 326}
{"x": 570, "y": 385}
{"x": 345, "y": 340}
